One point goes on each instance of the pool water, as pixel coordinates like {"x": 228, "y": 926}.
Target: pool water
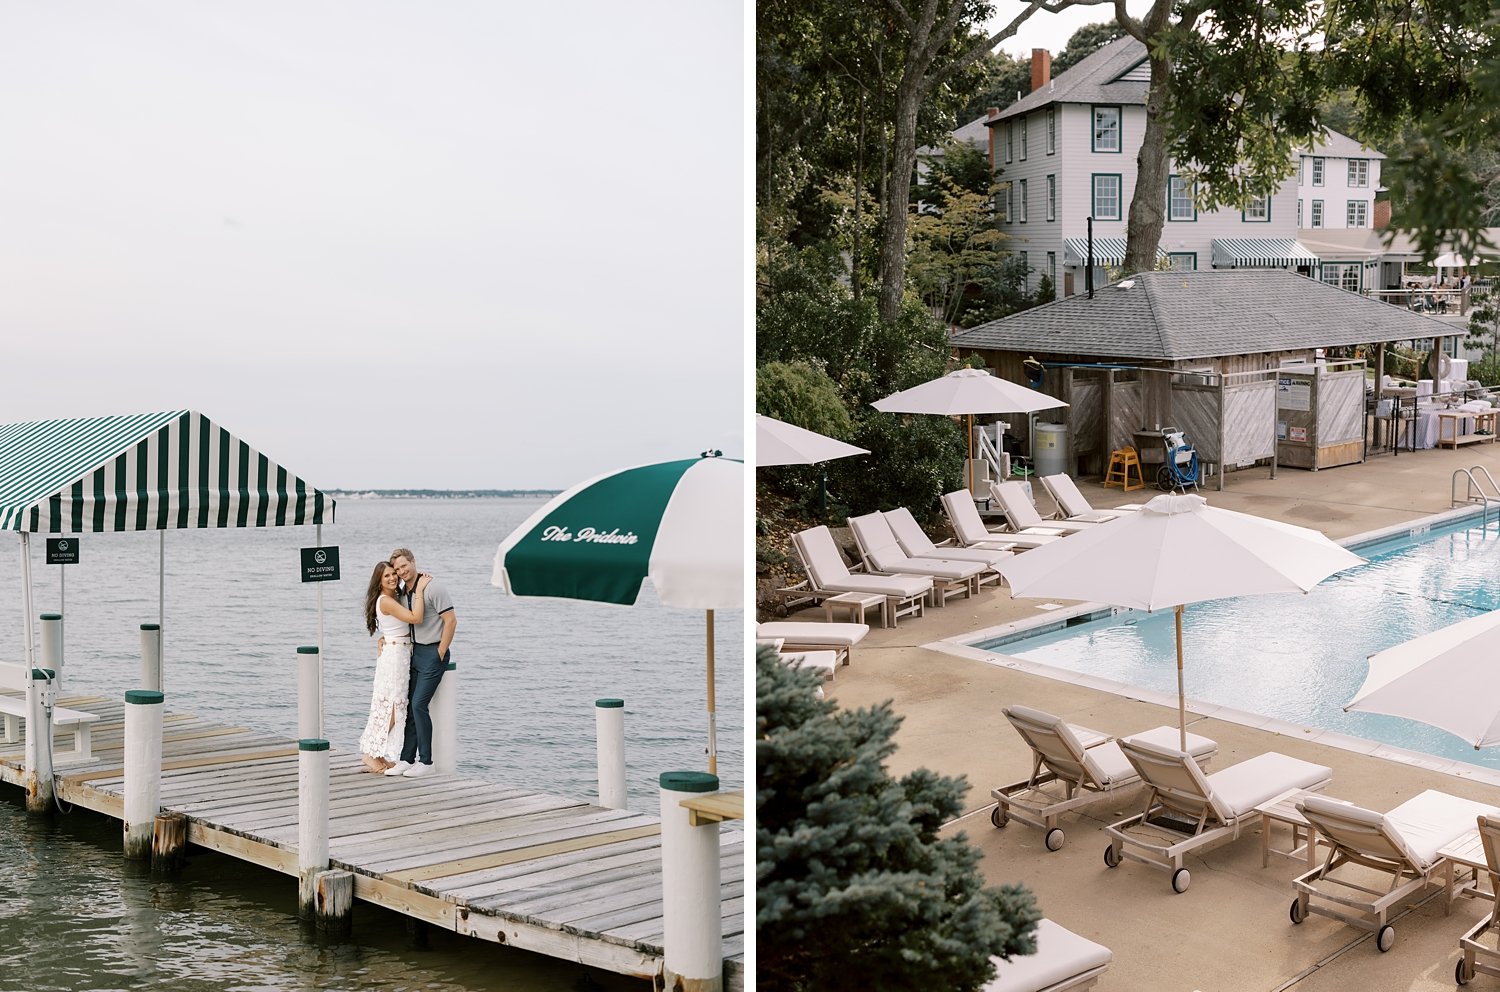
{"x": 1298, "y": 657}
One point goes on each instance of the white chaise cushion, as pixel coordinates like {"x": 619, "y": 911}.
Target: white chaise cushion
{"x": 1242, "y": 787}
{"x": 1060, "y": 955}
{"x": 1109, "y": 765}
{"x": 838, "y": 635}
{"x": 1431, "y": 820}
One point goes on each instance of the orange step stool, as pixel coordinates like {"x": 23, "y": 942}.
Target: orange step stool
{"x": 1121, "y": 461}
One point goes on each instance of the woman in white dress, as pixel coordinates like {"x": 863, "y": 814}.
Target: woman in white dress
{"x": 385, "y": 614}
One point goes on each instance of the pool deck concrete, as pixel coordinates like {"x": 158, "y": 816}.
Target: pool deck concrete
{"x": 1230, "y": 930}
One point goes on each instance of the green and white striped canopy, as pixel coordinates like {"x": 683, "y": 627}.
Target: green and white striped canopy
{"x": 152, "y": 471}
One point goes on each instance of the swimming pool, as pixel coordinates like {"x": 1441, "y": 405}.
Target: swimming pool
{"x": 1295, "y": 657}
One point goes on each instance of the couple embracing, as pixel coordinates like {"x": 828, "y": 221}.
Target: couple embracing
{"x": 414, "y": 617}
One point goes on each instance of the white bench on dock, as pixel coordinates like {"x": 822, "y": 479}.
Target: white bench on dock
{"x": 13, "y": 711}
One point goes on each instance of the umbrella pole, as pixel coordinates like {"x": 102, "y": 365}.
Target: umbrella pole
{"x": 713, "y": 749}
{"x": 1181, "y": 699}
{"x": 971, "y": 454}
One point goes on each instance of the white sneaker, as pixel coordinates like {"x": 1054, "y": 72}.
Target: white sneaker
{"x": 399, "y": 768}
{"x": 417, "y": 771}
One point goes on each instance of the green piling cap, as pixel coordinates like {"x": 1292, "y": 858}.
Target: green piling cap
{"x": 452, "y": 667}
{"x": 51, "y": 616}
{"x": 312, "y": 745}
{"x": 151, "y": 626}
{"x": 143, "y": 696}
{"x": 609, "y": 704}
{"x": 307, "y": 650}
{"x": 42, "y": 674}
{"x": 689, "y": 782}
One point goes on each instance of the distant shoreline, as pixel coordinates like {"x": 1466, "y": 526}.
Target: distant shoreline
{"x": 442, "y": 493}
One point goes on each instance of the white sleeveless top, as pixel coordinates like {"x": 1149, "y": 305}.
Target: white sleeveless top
{"x": 389, "y": 627}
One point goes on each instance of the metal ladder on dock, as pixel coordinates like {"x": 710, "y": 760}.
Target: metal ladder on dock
{"x": 1476, "y": 493}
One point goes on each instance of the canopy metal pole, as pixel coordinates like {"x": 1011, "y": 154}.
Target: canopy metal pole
{"x": 1181, "y": 699}
{"x": 29, "y": 612}
{"x": 713, "y": 731}
{"x": 161, "y": 609}
{"x": 318, "y": 540}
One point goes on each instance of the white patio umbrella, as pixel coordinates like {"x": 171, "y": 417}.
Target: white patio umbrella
{"x": 1453, "y": 260}
{"x": 1448, "y": 679}
{"x": 780, "y": 443}
{"x": 1173, "y": 551}
{"x": 968, "y": 391}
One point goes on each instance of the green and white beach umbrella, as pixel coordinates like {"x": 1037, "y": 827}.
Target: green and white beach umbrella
{"x": 680, "y": 524}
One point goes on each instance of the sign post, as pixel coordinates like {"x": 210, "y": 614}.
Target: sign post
{"x": 320, "y": 565}
{"x": 62, "y": 551}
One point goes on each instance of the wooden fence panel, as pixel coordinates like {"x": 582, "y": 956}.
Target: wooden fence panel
{"x": 1341, "y": 406}
{"x": 1249, "y": 421}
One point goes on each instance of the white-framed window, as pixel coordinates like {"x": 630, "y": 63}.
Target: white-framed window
{"x": 1357, "y": 214}
{"x": 1180, "y": 204}
{"x": 1106, "y": 136}
{"x": 1301, "y": 170}
{"x": 1317, "y": 213}
{"x": 1299, "y": 212}
{"x": 1051, "y": 130}
{"x": 1359, "y": 173}
{"x": 1257, "y": 210}
{"x": 1025, "y": 271}
{"x": 1021, "y": 211}
{"x": 1052, "y": 198}
{"x": 1106, "y": 201}
{"x": 1010, "y": 201}
{"x": 1010, "y": 139}
{"x": 1317, "y": 171}
{"x": 1052, "y": 269}
{"x": 1183, "y": 261}
{"x": 1024, "y": 129}
{"x": 1344, "y": 275}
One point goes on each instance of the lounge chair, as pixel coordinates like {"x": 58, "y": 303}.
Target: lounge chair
{"x": 1063, "y": 961}
{"x": 915, "y": 542}
{"x": 1072, "y": 767}
{"x": 1073, "y": 505}
{"x": 799, "y": 635}
{"x": 882, "y": 555}
{"x": 824, "y": 662}
{"x": 1021, "y": 512}
{"x": 970, "y": 531}
{"x": 1481, "y": 958}
{"x": 1402, "y": 844}
{"x": 1216, "y": 807}
{"x": 827, "y": 575}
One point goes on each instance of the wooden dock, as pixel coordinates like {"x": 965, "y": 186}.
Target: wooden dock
{"x": 545, "y": 873}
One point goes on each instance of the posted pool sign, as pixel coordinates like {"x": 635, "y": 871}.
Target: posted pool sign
{"x": 62, "y": 550}
{"x": 320, "y": 564}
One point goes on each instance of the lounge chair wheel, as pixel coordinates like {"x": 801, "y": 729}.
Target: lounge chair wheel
{"x": 1111, "y": 857}
{"x": 998, "y": 816}
{"x": 1385, "y": 937}
{"x": 1298, "y": 914}
{"x": 1462, "y": 975}
{"x": 1055, "y": 839}
{"x": 1181, "y": 879}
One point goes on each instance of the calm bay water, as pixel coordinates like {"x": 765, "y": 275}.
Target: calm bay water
{"x": 235, "y": 613}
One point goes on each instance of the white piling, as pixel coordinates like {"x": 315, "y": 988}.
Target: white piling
{"x": 309, "y": 694}
{"x": 312, "y": 823}
{"x": 143, "y": 720}
{"x": 444, "y": 712}
{"x": 692, "y": 938}
{"x": 151, "y": 657}
{"x": 41, "y": 693}
{"x": 609, "y": 734}
{"x": 52, "y": 645}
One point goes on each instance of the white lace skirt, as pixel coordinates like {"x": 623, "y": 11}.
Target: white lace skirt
{"x": 387, "y": 724}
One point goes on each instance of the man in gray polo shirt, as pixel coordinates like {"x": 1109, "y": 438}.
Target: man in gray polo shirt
{"x": 429, "y": 659}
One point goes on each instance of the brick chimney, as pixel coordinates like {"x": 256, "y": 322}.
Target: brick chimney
{"x": 1382, "y": 215}
{"x": 1041, "y": 68}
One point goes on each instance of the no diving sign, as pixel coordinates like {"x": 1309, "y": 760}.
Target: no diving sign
{"x": 320, "y": 564}
{"x": 62, "y": 550}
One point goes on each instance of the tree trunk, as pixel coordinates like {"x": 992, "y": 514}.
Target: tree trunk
{"x": 1148, "y": 204}
{"x": 897, "y": 193}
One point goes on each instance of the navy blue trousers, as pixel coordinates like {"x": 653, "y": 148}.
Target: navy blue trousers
{"x": 426, "y": 672}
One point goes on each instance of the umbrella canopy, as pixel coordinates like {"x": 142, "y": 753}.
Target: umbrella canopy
{"x": 680, "y": 524}
{"x": 1173, "y": 551}
{"x": 968, "y": 391}
{"x": 1453, "y": 260}
{"x": 1447, "y": 678}
{"x": 780, "y": 443}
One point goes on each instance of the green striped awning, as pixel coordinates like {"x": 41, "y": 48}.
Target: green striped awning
{"x": 1260, "y": 253}
{"x": 1107, "y": 251}
{"x": 152, "y": 471}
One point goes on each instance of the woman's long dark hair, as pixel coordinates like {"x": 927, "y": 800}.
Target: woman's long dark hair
{"x": 373, "y": 593}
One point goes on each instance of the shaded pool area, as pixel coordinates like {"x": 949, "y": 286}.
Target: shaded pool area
{"x": 1295, "y": 657}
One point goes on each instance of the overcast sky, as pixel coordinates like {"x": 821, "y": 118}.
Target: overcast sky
{"x": 451, "y": 244}
{"x": 1052, "y": 31}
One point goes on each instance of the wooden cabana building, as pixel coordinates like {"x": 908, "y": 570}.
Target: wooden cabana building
{"x": 1232, "y": 357}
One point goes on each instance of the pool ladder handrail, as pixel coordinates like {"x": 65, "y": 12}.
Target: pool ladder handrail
{"x": 1474, "y": 492}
